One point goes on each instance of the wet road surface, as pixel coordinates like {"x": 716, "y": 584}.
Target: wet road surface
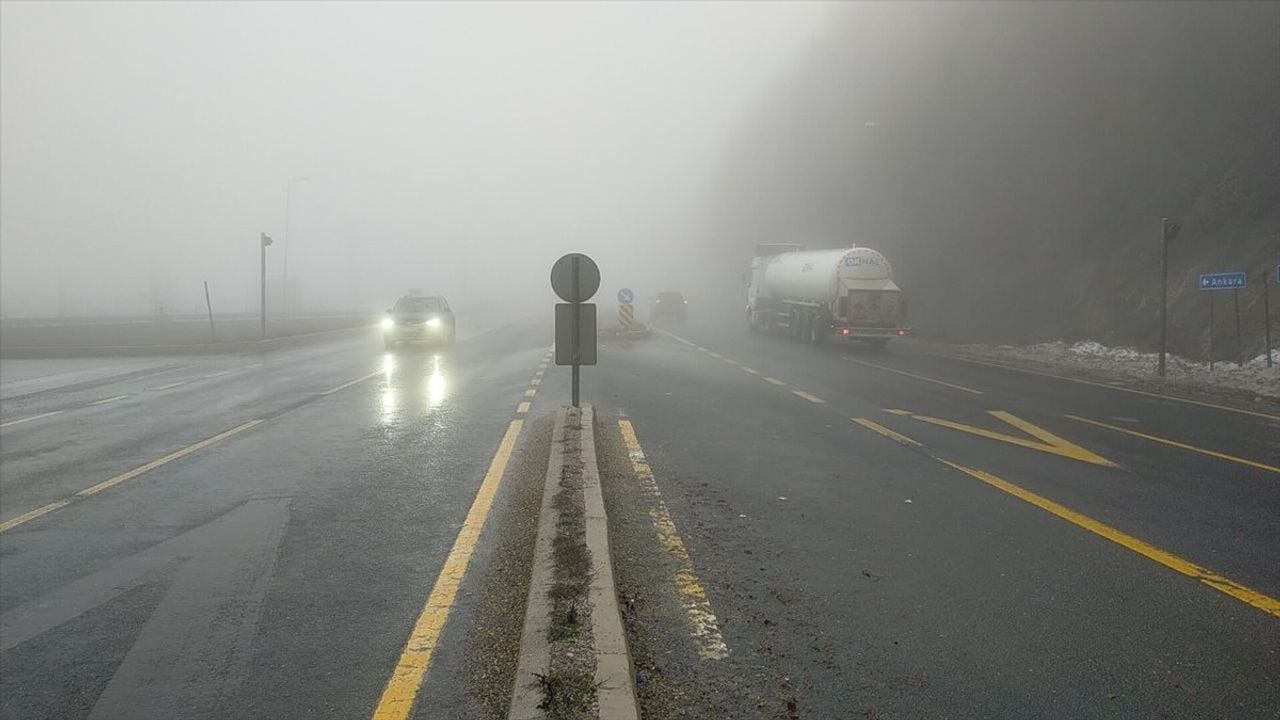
{"x": 798, "y": 532}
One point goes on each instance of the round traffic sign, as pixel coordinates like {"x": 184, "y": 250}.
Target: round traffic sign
{"x": 575, "y": 277}
{"x": 625, "y": 296}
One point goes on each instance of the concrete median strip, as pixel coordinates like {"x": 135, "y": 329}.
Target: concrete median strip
{"x": 572, "y": 565}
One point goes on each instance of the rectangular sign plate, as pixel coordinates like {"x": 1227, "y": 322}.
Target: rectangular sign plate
{"x": 586, "y": 325}
{"x": 1223, "y": 281}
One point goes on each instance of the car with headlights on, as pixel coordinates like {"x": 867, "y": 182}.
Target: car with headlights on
{"x": 670, "y": 304}
{"x": 419, "y": 318}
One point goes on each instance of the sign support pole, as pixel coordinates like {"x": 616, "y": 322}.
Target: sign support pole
{"x": 1211, "y": 304}
{"x": 1235, "y": 298}
{"x": 1266, "y": 315}
{"x": 573, "y": 336}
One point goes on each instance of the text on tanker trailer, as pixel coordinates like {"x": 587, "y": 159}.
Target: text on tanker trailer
{"x": 846, "y": 292}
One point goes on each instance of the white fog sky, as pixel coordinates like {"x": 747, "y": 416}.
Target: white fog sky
{"x": 143, "y": 146}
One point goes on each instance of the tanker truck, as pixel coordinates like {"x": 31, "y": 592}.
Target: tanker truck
{"x": 811, "y": 295}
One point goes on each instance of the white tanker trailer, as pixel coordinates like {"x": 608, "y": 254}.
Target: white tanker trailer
{"x": 845, "y": 292}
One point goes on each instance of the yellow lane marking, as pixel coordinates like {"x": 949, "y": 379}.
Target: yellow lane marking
{"x": 1217, "y": 582}
{"x": 171, "y": 385}
{"x": 746, "y": 369}
{"x": 773, "y": 380}
{"x": 1172, "y": 398}
{"x": 123, "y": 477}
{"x": 406, "y": 679}
{"x": 715, "y": 355}
{"x": 1174, "y": 443}
{"x": 523, "y": 407}
{"x": 531, "y": 392}
{"x": 891, "y": 434}
{"x": 913, "y": 375}
{"x": 704, "y": 626}
{"x": 895, "y": 411}
{"x": 1048, "y": 442}
{"x": 357, "y": 381}
{"x": 807, "y": 396}
{"x": 535, "y": 382}
{"x": 29, "y": 418}
{"x": 104, "y": 401}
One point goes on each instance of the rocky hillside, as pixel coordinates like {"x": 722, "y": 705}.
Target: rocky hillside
{"x": 1014, "y": 160}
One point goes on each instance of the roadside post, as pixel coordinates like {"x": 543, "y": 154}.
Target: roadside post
{"x": 1235, "y": 282}
{"x": 575, "y": 278}
{"x": 264, "y": 240}
{"x": 213, "y": 336}
{"x": 1168, "y": 231}
{"x": 626, "y": 311}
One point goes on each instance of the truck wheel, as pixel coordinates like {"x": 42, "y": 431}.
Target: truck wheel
{"x": 815, "y": 334}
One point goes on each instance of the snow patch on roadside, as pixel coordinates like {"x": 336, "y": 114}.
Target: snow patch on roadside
{"x": 1124, "y": 362}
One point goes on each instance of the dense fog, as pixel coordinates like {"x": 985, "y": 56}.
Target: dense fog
{"x": 1013, "y": 160}
{"x": 449, "y": 148}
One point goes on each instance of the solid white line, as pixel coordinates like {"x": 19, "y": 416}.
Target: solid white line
{"x": 346, "y": 385}
{"x": 171, "y": 385}
{"x": 29, "y": 418}
{"x": 104, "y": 401}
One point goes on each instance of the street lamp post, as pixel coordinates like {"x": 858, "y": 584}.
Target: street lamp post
{"x": 288, "y": 206}
{"x": 264, "y": 240}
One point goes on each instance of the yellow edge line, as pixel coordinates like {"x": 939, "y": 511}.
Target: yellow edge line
{"x": 123, "y": 477}
{"x": 904, "y": 373}
{"x": 1172, "y": 398}
{"x": 807, "y": 396}
{"x": 1252, "y": 597}
{"x": 1174, "y": 443}
{"x": 406, "y": 678}
{"x": 523, "y": 407}
{"x": 704, "y": 626}
{"x": 29, "y": 418}
{"x": 891, "y": 434}
{"x": 750, "y": 371}
{"x": 1069, "y": 450}
{"x": 530, "y": 392}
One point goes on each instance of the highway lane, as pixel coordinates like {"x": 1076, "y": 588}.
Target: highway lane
{"x": 853, "y": 574}
{"x": 276, "y": 572}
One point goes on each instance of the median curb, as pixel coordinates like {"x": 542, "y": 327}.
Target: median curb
{"x": 613, "y": 677}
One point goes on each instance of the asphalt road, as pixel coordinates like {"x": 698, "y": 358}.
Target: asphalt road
{"x": 798, "y": 532}
{"x": 854, "y": 573}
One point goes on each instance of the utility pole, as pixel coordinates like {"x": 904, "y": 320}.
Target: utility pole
{"x": 1168, "y": 231}
{"x": 265, "y": 240}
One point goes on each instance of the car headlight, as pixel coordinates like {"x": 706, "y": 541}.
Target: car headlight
{"x": 433, "y": 323}
{"x": 388, "y": 323}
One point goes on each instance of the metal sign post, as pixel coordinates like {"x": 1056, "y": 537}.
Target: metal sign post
{"x": 1235, "y": 299}
{"x": 1235, "y": 282}
{"x": 265, "y": 240}
{"x": 1211, "y": 303}
{"x": 575, "y": 278}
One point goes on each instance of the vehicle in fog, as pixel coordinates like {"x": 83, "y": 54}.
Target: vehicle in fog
{"x": 419, "y": 318}
{"x": 669, "y": 304}
{"x": 847, "y": 292}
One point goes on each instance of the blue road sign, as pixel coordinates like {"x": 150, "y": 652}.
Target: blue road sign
{"x": 625, "y": 296}
{"x": 1223, "y": 281}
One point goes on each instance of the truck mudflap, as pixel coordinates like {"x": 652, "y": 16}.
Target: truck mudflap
{"x": 858, "y": 333}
